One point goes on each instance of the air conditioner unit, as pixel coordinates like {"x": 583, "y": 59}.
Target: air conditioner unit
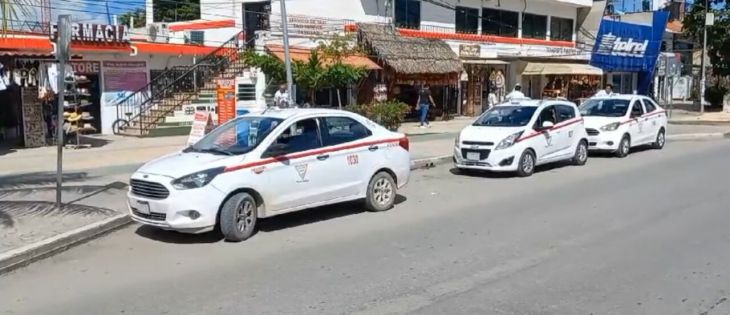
{"x": 158, "y": 33}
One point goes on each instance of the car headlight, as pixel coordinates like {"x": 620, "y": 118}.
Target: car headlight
{"x": 611, "y": 126}
{"x": 457, "y": 141}
{"x": 509, "y": 141}
{"x": 197, "y": 180}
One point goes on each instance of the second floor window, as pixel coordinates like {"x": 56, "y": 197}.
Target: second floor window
{"x": 499, "y": 22}
{"x": 534, "y": 26}
{"x": 408, "y": 13}
{"x": 467, "y": 20}
{"x": 561, "y": 29}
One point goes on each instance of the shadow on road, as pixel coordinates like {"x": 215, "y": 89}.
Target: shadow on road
{"x": 273, "y": 224}
{"x": 39, "y": 179}
{"x": 504, "y": 175}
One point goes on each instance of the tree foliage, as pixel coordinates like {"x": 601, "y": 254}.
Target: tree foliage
{"x": 139, "y": 17}
{"x": 718, "y": 35}
{"x": 176, "y": 10}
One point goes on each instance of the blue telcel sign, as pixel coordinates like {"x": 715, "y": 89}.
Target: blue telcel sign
{"x": 628, "y": 47}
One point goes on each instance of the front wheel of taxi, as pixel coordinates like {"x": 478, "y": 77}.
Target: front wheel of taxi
{"x": 526, "y": 165}
{"x": 381, "y": 192}
{"x": 238, "y": 217}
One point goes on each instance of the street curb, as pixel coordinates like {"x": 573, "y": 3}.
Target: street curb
{"x": 698, "y": 136}
{"x": 700, "y": 122}
{"x": 25, "y": 255}
{"x": 430, "y": 162}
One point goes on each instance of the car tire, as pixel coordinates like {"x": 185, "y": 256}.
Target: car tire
{"x": 624, "y": 147}
{"x": 238, "y": 217}
{"x": 581, "y": 153}
{"x": 526, "y": 165}
{"x": 660, "y": 141}
{"x": 381, "y": 192}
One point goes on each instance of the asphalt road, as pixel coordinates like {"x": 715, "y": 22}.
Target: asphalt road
{"x": 643, "y": 235}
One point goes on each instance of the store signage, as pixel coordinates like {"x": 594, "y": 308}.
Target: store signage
{"x": 628, "y": 47}
{"x": 98, "y": 33}
{"x": 226, "y": 97}
{"x": 469, "y": 51}
{"x": 86, "y": 67}
{"x": 613, "y": 45}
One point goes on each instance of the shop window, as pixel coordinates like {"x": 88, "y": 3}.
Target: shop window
{"x": 534, "y": 26}
{"x": 467, "y": 20}
{"x": 408, "y": 13}
{"x": 561, "y": 29}
{"x": 499, "y": 22}
{"x": 246, "y": 92}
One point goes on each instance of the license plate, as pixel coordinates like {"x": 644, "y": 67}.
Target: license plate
{"x": 473, "y": 156}
{"x": 141, "y": 206}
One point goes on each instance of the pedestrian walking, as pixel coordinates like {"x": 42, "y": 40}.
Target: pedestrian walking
{"x": 515, "y": 94}
{"x": 281, "y": 97}
{"x": 422, "y": 105}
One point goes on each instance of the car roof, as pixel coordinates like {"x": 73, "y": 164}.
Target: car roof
{"x": 536, "y": 103}
{"x": 287, "y": 113}
{"x": 619, "y": 96}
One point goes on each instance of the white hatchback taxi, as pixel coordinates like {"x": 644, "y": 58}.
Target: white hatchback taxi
{"x": 617, "y": 123}
{"x": 522, "y": 134}
{"x": 264, "y": 165}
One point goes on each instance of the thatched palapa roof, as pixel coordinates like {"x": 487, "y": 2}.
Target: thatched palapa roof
{"x": 409, "y": 55}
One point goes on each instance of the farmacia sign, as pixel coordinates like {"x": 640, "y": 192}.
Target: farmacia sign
{"x": 97, "y": 33}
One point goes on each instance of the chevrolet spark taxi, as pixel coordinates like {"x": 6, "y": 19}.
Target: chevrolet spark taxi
{"x": 258, "y": 166}
{"x": 618, "y": 123}
{"x": 517, "y": 136}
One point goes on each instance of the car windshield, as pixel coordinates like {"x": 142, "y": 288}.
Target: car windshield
{"x": 235, "y": 137}
{"x": 506, "y": 116}
{"x": 604, "y": 107}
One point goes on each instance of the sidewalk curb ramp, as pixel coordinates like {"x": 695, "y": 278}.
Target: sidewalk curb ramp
{"x": 25, "y": 255}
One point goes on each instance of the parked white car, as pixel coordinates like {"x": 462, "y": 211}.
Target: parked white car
{"x": 264, "y": 165}
{"x": 522, "y": 134}
{"x": 618, "y": 123}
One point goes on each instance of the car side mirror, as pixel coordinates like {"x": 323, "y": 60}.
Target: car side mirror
{"x": 546, "y": 125}
{"x": 276, "y": 149}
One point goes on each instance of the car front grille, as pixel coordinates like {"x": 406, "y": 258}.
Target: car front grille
{"x": 592, "y": 132}
{"x": 483, "y": 154}
{"x": 151, "y": 216}
{"x": 149, "y": 189}
{"x": 477, "y": 143}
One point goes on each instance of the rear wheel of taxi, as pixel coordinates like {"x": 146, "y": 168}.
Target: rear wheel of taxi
{"x": 581, "y": 153}
{"x": 624, "y": 147}
{"x": 526, "y": 166}
{"x": 381, "y": 192}
{"x": 238, "y": 217}
{"x": 661, "y": 139}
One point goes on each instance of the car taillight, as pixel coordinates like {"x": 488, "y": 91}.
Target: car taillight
{"x": 404, "y": 143}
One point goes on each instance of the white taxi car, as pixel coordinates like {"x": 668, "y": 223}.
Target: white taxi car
{"x": 522, "y": 134}
{"x": 617, "y": 123}
{"x": 258, "y": 166}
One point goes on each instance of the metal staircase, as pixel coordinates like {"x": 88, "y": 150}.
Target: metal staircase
{"x": 144, "y": 110}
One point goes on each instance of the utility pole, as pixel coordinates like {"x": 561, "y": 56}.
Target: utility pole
{"x": 287, "y": 57}
{"x": 63, "y": 40}
{"x": 709, "y": 21}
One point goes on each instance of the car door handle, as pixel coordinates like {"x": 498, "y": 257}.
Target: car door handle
{"x": 323, "y": 157}
{"x": 373, "y": 148}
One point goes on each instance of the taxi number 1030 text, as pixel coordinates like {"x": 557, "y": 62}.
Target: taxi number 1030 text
{"x": 352, "y": 159}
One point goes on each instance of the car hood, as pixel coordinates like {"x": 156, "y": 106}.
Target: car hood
{"x": 490, "y": 134}
{"x": 596, "y": 122}
{"x": 179, "y": 164}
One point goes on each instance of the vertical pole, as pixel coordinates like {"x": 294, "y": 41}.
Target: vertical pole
{"x": 703, "y": 79}
{"x": 62, "y": 43}
{"x": 287, "y": 57}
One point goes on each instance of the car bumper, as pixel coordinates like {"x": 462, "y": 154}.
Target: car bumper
{"x": 189, "y": 211}
{"x": 497, "y": 161}
{"x": 606, "y": 141}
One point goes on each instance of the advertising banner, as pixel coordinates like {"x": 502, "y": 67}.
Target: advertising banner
{"x": 226, "y": 95}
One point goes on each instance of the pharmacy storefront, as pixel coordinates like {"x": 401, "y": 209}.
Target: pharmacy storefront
{"x": 628, "y": 53}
